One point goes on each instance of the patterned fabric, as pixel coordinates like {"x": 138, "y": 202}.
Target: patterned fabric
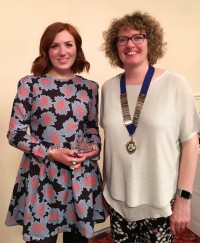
{"x": 48, "y": 197}
{"x": 146, "y": 231}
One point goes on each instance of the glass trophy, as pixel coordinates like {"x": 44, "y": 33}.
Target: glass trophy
{"x": 80, "y": 145}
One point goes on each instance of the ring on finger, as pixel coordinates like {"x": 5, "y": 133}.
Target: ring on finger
{"x": 73, "y": 162}
{"x": 94, "y": 147}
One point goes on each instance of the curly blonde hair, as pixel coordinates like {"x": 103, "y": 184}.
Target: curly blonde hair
{"x": 138, "y": 21}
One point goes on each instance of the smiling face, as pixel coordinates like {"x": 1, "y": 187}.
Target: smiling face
{"x": 62, "y": 53}
{"x": 132, "y": 54}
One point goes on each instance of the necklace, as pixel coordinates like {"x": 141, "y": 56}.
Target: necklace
{"x": 131, "y": 125}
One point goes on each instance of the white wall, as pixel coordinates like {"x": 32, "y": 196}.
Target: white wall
{"x": 22, "y": 24}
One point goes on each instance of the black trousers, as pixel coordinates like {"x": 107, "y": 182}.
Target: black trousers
{"x": 146, "y": 230}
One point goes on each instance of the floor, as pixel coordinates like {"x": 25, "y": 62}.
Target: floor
{"x": 186, "y": 236}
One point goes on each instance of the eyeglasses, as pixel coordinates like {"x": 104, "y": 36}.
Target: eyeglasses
{"x": 136, "y": 39}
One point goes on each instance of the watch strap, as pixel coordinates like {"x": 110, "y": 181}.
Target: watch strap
{"x": 183, "y": 193}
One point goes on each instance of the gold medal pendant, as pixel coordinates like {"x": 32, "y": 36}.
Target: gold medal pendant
{"x": 131, "y": 146}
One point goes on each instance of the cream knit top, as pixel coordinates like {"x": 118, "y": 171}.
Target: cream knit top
{"x": 141, "y": 185}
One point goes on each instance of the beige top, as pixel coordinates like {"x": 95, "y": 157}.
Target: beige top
{"x": 142, "y": 185}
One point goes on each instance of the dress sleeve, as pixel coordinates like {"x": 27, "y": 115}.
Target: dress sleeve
{"x": 19, "y": 134}
{"x": 92, "y": 129}
{"x": 102, "y": 106}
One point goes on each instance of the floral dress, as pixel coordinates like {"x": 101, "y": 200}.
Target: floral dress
{"x": 48, "y": 197}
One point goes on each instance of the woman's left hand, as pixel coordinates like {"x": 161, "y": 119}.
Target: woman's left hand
{"x": 180, "y": 218}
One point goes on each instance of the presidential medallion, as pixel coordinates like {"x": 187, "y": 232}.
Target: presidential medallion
{"x": 131, "y": 147}
{"x": 131, "y": 125}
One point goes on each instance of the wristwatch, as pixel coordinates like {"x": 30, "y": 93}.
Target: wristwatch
{"x": 183, "y": 193}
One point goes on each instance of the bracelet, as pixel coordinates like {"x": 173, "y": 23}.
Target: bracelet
{"x": 50, "y": 153}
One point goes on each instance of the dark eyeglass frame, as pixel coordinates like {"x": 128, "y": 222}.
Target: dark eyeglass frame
{"x": 132, "y": 38}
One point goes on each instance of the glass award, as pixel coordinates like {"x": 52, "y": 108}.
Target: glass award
{"x": 80, "y": 145}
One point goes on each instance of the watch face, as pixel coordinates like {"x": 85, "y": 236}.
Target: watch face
{"x": 185, "y": 194}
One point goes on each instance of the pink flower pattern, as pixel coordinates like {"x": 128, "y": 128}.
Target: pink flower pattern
{"x": 48, "y": 197}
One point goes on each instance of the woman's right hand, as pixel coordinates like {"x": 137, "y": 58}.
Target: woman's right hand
{"x": 66, "y": 157}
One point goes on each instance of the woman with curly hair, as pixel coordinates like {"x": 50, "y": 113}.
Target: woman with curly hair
{"x": 150, "y": 124}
